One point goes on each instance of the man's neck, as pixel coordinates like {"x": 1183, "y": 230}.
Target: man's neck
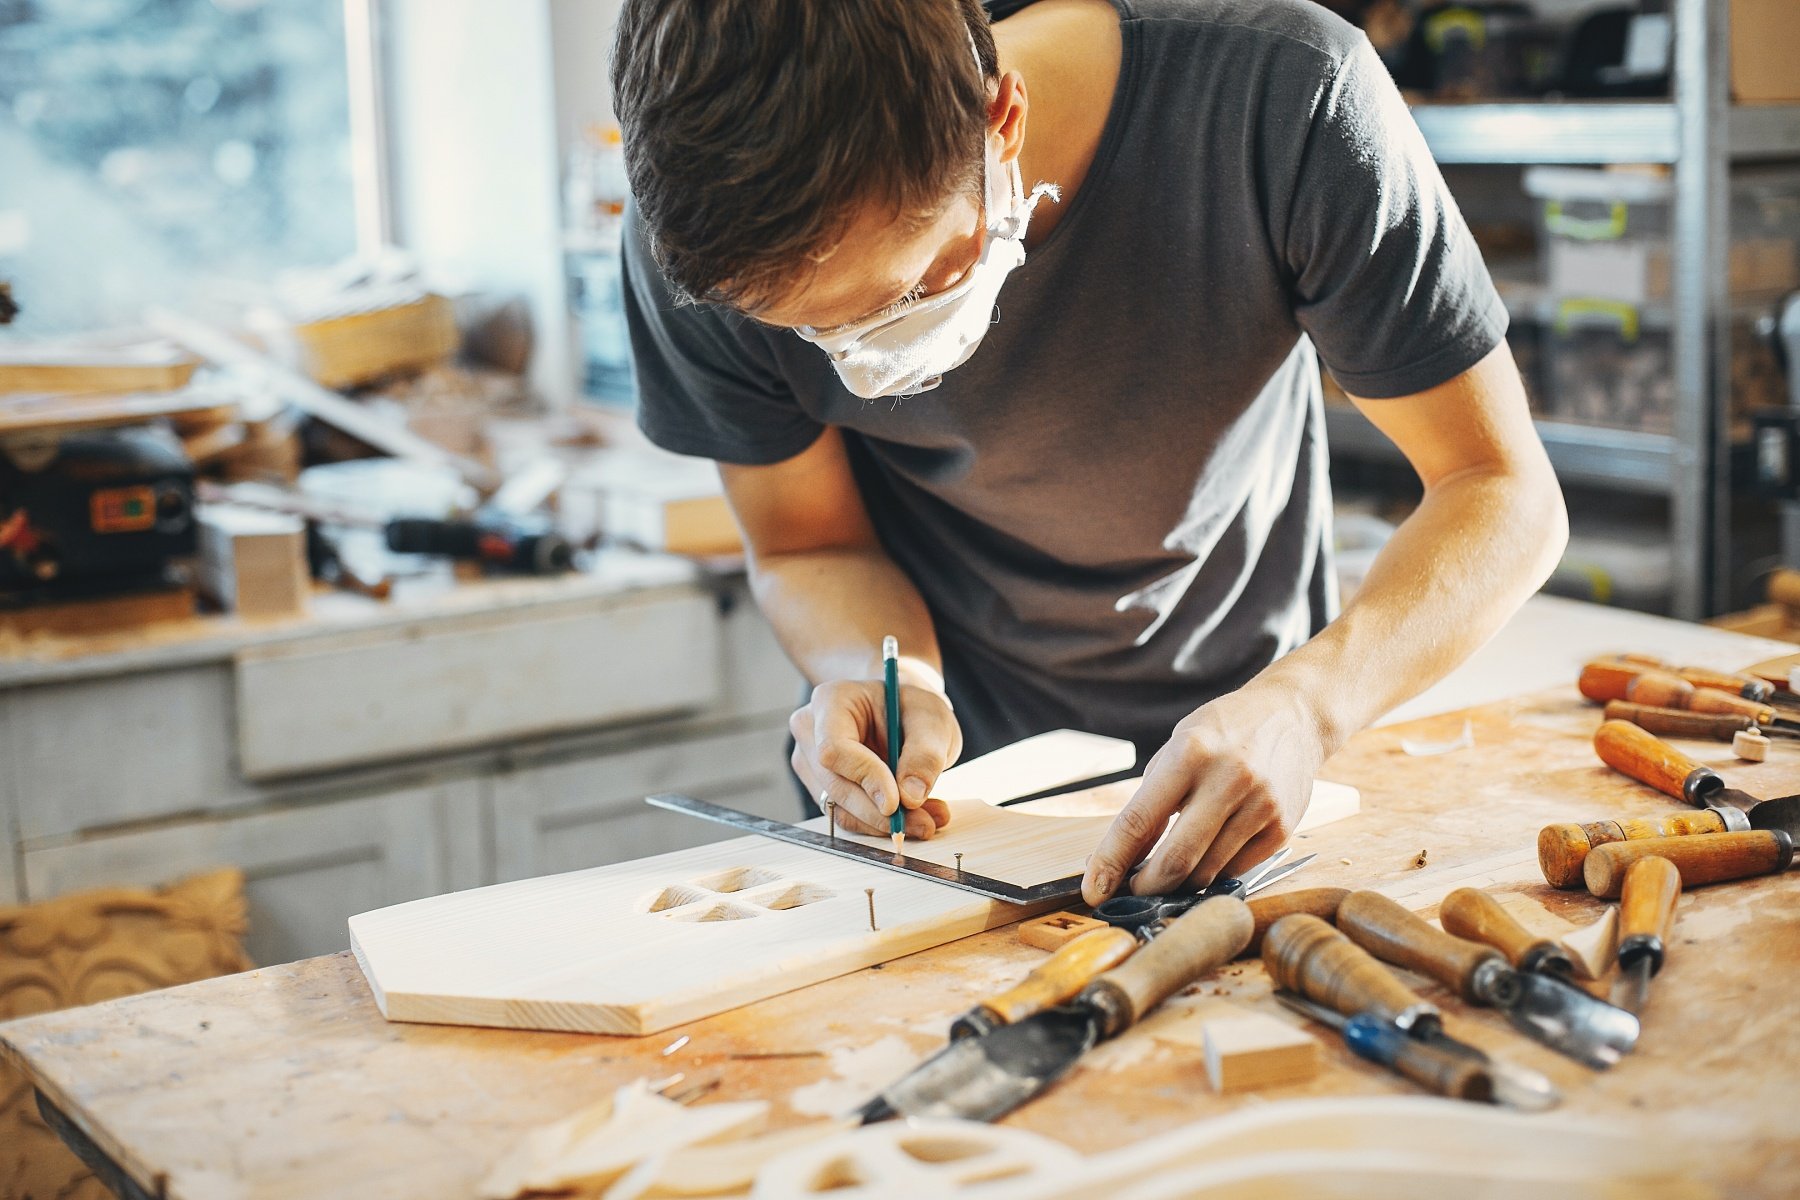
{"x": 1068, "y": 52}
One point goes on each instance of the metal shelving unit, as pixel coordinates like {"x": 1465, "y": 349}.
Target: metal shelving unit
{"x": 1625, "y": 460}
{"x": 1700, "y": 135}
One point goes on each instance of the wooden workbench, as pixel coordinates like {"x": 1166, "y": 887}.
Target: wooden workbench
{"x": 287, "y": 1082}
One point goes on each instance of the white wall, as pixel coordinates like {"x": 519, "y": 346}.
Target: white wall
{"x": 581, "y": 40}
{"x": 474, "y": 149}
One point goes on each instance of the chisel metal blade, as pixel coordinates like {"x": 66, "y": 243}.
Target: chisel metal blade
{"x": 984, "y": 1078}
{"x": 1633, "y": 987}
{"x": 1514, "y": 1086}
{"x": 1572, "y": 1022}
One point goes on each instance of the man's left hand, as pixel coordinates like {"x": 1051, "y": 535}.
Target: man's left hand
{"x": 1237, "y": 774}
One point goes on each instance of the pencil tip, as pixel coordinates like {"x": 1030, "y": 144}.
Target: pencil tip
{"x": 899, "y": 843}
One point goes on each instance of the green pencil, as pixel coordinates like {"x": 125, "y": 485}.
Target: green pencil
{"x": 890, "y": 665}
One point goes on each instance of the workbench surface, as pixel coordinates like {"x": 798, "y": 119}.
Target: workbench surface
{"x": 287, "y": 1082}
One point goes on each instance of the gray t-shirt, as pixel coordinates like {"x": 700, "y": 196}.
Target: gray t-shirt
{"x": 1118, "y": 509}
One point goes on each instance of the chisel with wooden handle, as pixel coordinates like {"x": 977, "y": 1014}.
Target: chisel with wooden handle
{"x": 1563, "y": 1018}
{"x": 1321, "y": 902}
{"x": 1606, "y": 682}
{"x": 1306, "y": 956}
{"x": 1641, "y": 755}
{"x": 1057, "y": 979}
{"x": 1646, "y": 915}
{"x": 1679, "y": 722}
{"x": 1711, "y": 858}
{"x": 985, "y": 1077}
{"x": 1563, "y": 848}
{"x": 1472, "y": 914}
{"x": 1747, "y": 686}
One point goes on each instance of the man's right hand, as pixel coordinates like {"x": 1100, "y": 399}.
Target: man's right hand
{"x": 840, "y": 754}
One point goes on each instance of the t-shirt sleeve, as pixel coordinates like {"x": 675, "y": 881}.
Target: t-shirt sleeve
{"x": 1390, "y": 284}
{"x": 706, "y": 386}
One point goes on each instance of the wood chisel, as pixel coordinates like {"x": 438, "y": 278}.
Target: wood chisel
{"x": 1641, "y": 755}
{"x": 1432, "y": 1067}
{"x": 1708, "y": 858}
{"x": 1680, "y": 723}
{"x": 1061, "y": 976}
{"x": 985, "y": 1077}
{"x": 1562, "y": 1017}
{"x": 1054, "y": 981}
{"x": 1632, "y": 751}
{"x": 1306, "y": 956}
{"x": 1603, "y": 683}
{"x": 1321, "y": 902}
{"x": 1472, "y": 914}
{"x": 1646, "y": 915}
{"x": 1747, "y": 686}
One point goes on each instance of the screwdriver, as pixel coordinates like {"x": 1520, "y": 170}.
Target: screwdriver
{"x": 1646, "y": 914}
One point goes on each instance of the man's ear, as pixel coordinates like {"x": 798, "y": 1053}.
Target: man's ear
{"x": 1006, "y": 117}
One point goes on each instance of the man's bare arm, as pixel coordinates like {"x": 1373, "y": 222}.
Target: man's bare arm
{"x": 1488, "y": 532}
{"x": 820, "y": 575}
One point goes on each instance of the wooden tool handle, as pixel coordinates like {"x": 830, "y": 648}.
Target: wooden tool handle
{"x": 1321, "y": 902}
{"x": 1305, "y": 955}
{"x": 1444, "y": 1072}
{"x": 1389, "y": 932}
{"x": 1678, "y": 722}
{"x": 1205, "y": 937}
{"x": 1747, "y": 686}
{"x": 1647, "y": 906}
{"x": 1607, "y": 680}
{"x": 1714, "y": 858}
{"x": 1474, "y": 915}
{"x": 1784, "y": 587}
{"x": 1712, "y": 700}
{"x": 1648, "y": 759}
{"x": 1563, "y": 849}
{"x": 1659, "y": 688}
{"x": 1062, "y": 976}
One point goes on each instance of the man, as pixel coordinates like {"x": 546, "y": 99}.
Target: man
{"x": 1114, "y": 514}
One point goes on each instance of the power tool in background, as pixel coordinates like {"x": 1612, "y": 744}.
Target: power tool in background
{"x": 87, "y": 513}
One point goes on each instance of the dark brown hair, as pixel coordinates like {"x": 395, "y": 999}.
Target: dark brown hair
{"x": 754, "y": 129}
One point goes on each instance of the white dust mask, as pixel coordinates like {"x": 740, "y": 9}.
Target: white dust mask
{"x": 907, "y": 352}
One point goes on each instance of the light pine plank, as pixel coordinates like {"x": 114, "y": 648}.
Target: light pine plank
{"x": 641, "y": 946}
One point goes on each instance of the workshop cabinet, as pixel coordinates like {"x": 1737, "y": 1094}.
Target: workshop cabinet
{"x": 565, "y": 814}
{"x": 471, "y": 680}
{"x": 308, "y": 867}
{"x": 90, "y": 753}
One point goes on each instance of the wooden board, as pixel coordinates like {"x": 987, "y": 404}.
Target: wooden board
{"x": 640, "y": 946}
{"x": 1051, "y": 839}
{"x": 287, "y": 1082}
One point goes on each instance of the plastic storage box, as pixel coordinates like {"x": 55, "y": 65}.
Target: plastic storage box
{"x": 1604, "y": 234}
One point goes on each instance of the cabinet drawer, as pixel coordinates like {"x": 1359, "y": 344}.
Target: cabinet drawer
{"x": 396, "y": 693}
{"x": 307, "y": 868}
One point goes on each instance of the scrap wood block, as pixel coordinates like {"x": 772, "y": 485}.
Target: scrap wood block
{"x": 1248, "y": 1050}
{"x": 1057, "y": 930}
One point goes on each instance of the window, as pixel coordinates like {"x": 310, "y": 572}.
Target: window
{"x": 159, "y": 151}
